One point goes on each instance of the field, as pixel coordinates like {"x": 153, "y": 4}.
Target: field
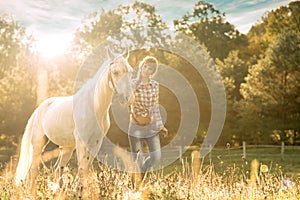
{"x": 223, "y": 174}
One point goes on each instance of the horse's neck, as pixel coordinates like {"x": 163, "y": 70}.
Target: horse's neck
{"x": 104, "y": 96}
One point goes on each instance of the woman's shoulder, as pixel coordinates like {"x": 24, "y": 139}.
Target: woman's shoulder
{"x": 154, "y": 83}
{"x": 134, "y": 80}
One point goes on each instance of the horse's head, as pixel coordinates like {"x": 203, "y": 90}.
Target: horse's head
{"x": 120, "y": 73}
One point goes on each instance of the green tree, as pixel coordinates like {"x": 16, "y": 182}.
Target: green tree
{"x": 12, "y": 40}
{"x": 95, "y": 28}
{"x": 233, "y": 71}
{"x": 283, "y": 19}
{"x": 257, "y": 40}
{"x": 125, "y": 27}
{"x": 273, "y": 85}
{"x": 208, "y": 26}
{"x": 17, "y": 80}
{"x": 272, "y": 23}
{"x": 142, "y": 25}
{"x": 62, "y": 73}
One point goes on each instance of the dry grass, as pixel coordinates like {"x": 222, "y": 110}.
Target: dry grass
{"x": 108, "y": 183}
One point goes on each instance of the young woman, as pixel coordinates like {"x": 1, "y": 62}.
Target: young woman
{"x": 145, "y": 119}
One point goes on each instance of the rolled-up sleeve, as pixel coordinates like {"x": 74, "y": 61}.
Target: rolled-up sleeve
{"x": 155, "y": 109}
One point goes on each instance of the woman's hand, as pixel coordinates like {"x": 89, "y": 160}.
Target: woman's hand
{"x": 165, "y": 131}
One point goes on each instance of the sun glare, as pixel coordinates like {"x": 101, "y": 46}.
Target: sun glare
{"x": 51, "y": 46}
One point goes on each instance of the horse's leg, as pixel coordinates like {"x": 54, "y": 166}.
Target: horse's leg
{"x": 84, "y": 160}
{"x": 64, "y": 157}
{"x": 38, "y": 141}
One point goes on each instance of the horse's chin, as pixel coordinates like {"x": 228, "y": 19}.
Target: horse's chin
{"x": 123, "y": 101}
{"x": 120, "y": 99}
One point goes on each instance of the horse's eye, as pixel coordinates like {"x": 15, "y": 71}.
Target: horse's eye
{"x": 116, "y": 73}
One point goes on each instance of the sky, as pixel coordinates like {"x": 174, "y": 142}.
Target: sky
{"x": 52, "y": 22}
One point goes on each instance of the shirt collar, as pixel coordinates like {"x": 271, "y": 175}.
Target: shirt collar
{"x": 151, "y": 82}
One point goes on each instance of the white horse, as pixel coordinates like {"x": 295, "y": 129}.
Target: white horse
{"x": 68, "y": 121}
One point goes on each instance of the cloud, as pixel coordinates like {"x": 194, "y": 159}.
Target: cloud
{"x": 244, "y": 13}
{"x": 44, "y": 16}
{"x": 64, "y": 16}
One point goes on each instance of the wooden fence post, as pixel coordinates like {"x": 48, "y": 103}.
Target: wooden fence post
{"x": 244, "y": 150}
{"x": 180, "y": 152}
{"x": 210, "y": 152}
{"x": 195, "y": 162}
{"x": 282, "y": 151}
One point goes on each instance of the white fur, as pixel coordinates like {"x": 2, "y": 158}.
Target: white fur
{"x": 69, "y": 122}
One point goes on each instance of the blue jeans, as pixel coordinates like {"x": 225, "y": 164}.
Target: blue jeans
{"x": 137, "y": 134}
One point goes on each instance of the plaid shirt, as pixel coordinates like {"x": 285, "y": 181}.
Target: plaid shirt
{"x": 146, "y": 101}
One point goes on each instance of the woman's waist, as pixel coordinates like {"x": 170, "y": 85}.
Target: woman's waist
{"x": 141, "y": 111}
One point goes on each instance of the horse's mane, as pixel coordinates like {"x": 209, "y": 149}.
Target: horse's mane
{"x": 86, "y": 121}
{"x": 84, "y": 114}
{"x": 91, "y": 83}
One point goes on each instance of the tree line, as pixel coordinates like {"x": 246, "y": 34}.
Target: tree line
{"x": 260, "y": 69}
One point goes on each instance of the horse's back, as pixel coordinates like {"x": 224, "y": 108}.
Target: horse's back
{"x": 58, "y": 123}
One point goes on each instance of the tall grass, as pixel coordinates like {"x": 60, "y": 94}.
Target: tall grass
{"x": 181, "y": 182}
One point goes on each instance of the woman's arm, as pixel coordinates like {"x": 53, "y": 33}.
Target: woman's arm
{"x": 156, "y": 112}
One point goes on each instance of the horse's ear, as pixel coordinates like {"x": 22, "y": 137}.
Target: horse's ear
{"x": 127, "y": 53}
{"x": 110, "y": 54}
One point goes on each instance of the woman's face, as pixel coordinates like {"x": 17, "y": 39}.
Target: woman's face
{"x": 148, "y": 70}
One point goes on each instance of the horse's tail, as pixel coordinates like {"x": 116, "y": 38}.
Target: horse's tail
{"x": 26, "y": 151}
{"x": 25, "y": 158}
